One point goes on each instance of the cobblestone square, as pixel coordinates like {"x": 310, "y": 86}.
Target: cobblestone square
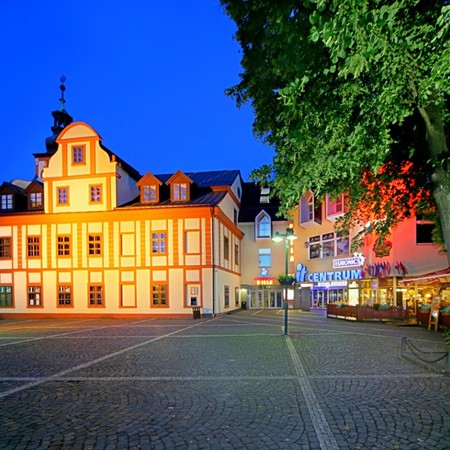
{"x": 234, "y": 382}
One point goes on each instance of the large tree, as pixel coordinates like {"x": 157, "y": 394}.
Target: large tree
{"x": 353, "y": 95}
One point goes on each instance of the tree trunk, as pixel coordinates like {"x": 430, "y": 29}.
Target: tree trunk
{"x": 439, "y": 154}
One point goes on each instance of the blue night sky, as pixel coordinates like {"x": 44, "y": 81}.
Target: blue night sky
{"x": 149, "y": 76}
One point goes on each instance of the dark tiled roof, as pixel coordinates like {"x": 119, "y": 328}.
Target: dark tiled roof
{"x": 15, "y": 187}
{"x": 201, "y": 192}
{"x": 251, "y": 205}
{"x": 125, "y": 166}
{"x": 207, "y": 179}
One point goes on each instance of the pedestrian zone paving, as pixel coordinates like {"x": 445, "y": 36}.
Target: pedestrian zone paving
{"x": 233, "y": 382}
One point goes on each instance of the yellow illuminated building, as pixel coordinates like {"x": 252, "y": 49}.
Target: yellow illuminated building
{"x": 90, "y": 236}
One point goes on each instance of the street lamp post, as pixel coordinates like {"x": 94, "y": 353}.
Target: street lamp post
{"x": 287, "y": 237}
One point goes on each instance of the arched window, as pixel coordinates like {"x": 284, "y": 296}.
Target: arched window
{"x": 263, "y": 226}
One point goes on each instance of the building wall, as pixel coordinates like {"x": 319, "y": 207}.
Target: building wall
{"x": 81, "y": 246}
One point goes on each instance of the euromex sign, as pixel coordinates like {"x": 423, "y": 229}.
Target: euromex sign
{"x": 356, "y": 261}
{"x": 332, "y": 277}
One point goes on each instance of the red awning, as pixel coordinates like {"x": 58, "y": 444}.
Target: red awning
{"x": 444, "y": 273}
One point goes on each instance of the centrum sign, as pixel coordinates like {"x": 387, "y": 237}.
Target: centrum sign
{"x": 341, "y": 275}
{"x": 303, "y": 276}
{"x": 356, "y": 261}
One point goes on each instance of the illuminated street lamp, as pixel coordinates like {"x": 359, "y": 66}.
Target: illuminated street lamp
{"x": 279, "y": 237}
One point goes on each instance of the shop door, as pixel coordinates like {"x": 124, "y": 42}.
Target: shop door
{"x": 275, "y": 299}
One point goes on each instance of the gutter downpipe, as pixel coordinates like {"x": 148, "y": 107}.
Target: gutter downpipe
{"x": 213, "y": 251}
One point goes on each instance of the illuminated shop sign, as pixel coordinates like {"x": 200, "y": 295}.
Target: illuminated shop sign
{"x": 332, "y": 284}
{"x": 338, "y": 278}
{"x": 357, "y": 260}
{"x": 264, "y": 281}
{"x": 338, "y": 275}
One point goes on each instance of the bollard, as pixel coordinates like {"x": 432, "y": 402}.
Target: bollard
{"x": 404, "y": 342}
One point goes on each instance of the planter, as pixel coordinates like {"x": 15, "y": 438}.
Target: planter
{"x": 423, "y": 316}
{"x": 444, "y": 320}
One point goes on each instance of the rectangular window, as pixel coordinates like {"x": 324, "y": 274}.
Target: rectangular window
{"x": 335, "y": 207}
{"x": 226, "y": 296}
{"x": 78, "y": 155}
{"x": 314, "y": 247}
{"x": 179, "y": 191}
{"x": 63, "y": 245}
{"x": 36, "y": 200}
{"x": 5, "y": 247}
{"x": 159, "y": 295}
{"x": 96, "y": 194}
{"x": 159, "y": 242}
{"x": 424, "y": 230}
{"x": 342, "y": 245}
{"x": 149, "y": 193}
{"x": 265, "y": 195}
{"x": 328, "y": 245}
{"x": 64, "y": 295}
{"x": 33, "y": 246}
{"x": 5, "y": 296}
{"x": 63, "y": 196}
{"x": 34, "y": 295}
{"x": 95, "y": 244}
{"x": 226, "y": 248}
{"x": 236, "y": 296}
{"x": 6, "y": 201}
{"x": 236, "y": 254}
{"x": 264, "y": 257}
{"x": 96, "y": 295}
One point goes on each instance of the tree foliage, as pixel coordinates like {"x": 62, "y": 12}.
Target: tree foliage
{"x": 351, "y": 93}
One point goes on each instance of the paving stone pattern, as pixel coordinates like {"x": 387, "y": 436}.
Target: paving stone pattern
{"x": 234, "y": 382}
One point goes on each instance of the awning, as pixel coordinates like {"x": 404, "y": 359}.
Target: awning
{"x": 437, "y": 275}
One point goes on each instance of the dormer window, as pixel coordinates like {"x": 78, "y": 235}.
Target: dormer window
{"x": 179, "y": 187}
{"x": 264, "y": 197}
{"x": 179, "y": 191}
{"x": 149, "y": 193}
{"x": 36, "y": 200}
{"x": 35, "y": 194}
{"x": 6, "y": 202}
{"x": 149, "y": 188}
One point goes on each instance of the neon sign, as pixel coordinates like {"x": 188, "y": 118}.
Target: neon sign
{"x": 356, "y": 261}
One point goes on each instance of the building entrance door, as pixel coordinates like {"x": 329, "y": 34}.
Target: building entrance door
{"x": 263, "y": 298}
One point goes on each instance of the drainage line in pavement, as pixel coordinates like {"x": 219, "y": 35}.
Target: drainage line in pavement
{"x": 323, "y": 431}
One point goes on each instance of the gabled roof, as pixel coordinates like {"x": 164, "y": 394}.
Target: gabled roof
{"x": 35, "y": 183}
{"x": 148, "y": 179}
{"x": 14, "y": 187}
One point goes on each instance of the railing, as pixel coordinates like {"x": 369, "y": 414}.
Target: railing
{"x": 366, "y": 312}
{"x": 393, "y": 313}
{"x": 431, "y": 358}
